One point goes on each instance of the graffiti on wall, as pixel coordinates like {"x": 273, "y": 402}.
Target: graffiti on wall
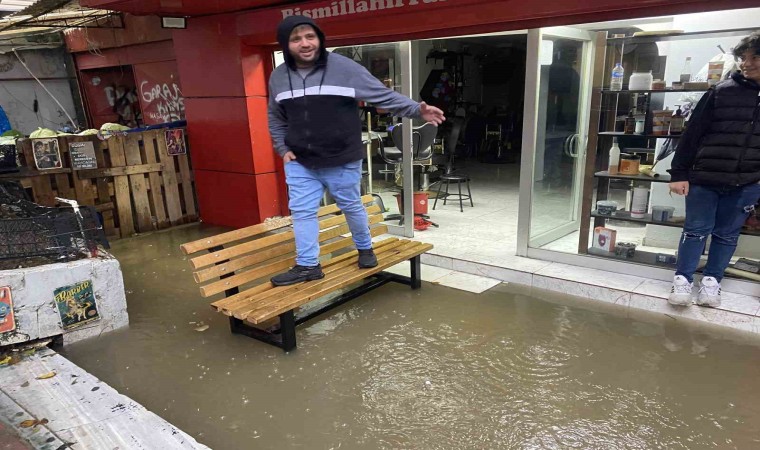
{"x": 161, "y": 102}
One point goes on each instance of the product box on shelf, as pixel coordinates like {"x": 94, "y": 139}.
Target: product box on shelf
{"x": 604, "y": 239}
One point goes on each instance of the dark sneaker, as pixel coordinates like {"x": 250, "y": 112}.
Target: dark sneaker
{"x": 298, "y": 274}
{"x": 367, "y": 259}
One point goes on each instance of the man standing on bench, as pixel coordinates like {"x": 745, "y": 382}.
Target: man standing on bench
{"x": 315, "y": 125}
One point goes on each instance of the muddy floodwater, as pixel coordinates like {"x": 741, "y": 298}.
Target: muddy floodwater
{"x": 438, "y": 368}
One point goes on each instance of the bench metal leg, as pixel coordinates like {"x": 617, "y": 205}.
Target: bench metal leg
{"x": 288, "y": 330}
{"x": 416, "y": 278}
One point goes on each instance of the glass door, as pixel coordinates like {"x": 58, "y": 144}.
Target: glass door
{"x": 558, "y": 93}
{"x": 388, "y": 164}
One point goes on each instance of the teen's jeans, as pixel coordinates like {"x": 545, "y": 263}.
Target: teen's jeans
{"x": 719, "y": 211}
{"x": 305, "y": 191}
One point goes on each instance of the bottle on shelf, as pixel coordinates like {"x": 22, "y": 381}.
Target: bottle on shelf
{"x": 630, "y": 123}
{"x": 616, "y": 83}
{"x": 686, "y": 71}
{"x": 640, "y": 202}
{"x": 614, "y": 166}
{"x": 677, "y": 121}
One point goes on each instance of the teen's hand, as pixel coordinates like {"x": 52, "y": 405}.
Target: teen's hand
{"x": 680, "y": 187}
{"x": 288, "y": 156}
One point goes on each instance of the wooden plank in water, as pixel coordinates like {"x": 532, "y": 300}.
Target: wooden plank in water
{"x": 138, "y": 184}
{"x": 186, "y": 175}
{"x": 156, "y": 192}
{"x": 121, "y": 187}
{"x": 169, "y": 176}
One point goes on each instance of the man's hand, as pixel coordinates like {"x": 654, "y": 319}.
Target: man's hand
{"x": 431, "y": 114}
{"x": 288, "y": 156}
{"x": 680, "y": 187}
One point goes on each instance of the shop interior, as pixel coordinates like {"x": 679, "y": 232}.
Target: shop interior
{"x": 479, "y": 81}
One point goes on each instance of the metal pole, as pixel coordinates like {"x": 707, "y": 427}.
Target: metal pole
{"x": 406, "y": 162}
{"x": 369, "y": 153}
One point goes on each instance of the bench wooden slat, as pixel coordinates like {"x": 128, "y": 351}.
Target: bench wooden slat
{"x": 233, "y": 265}
{"x": 308, "y": 295}
{"x": 264, "y": 242}
{"x": 240, "y": 298}
{"x": 252, "y": 231}
{"x": 278, "y": 293}
{"x": 266, "y": 299}
{"x": 248, "y": 276}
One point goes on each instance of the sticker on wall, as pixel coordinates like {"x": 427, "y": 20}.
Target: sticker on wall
{"x": 82, "y": 155}
{"x": 46, "y": 153}
{"x": 175, "y": 141}
{"x": 76, "y": 304}
{"x": 7, "y": 320}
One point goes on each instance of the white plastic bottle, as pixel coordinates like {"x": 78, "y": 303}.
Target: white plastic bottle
{"x": 616, "y": 83}
{"x": 640, "y": 202}
{"x": 614, "y": 167}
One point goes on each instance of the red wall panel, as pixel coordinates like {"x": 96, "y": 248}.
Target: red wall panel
{"x": 104, "y": 88}
{"x": 218, "y": 131}
{"x": 228, "y": 199}
{"x": 209, "y": 58}
{"x": 158, "y": 89}
{"x": 263, "y": 152}
{"x": 270, "y": 201}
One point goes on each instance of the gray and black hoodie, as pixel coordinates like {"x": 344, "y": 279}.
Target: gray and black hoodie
{"x": 316, "y": 116}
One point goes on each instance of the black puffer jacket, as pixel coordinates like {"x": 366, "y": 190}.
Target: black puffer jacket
{"x": 721, "y": 145}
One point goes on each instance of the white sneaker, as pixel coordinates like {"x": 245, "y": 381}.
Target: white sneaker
{"x": 709, "y": 292}
{"x": 680, "y": 293}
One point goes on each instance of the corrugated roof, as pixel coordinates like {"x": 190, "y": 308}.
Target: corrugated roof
{"x": 14, "y": 5}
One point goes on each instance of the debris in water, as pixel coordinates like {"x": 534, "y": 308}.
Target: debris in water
{"x": 46, "y": 376}
{"x": 32, "y": 423}
{"x": 202, "y": 328}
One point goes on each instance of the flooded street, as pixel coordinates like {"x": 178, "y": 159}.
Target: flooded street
{"x": 436, "y": 368}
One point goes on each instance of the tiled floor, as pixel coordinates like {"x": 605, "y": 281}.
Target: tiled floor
{"x": 482, "y": 241}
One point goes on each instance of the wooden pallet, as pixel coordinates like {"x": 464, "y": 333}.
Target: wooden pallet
{"x": 138, "y": 187}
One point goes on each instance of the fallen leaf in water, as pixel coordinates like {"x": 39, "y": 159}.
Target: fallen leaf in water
{"x": 202, "y": 328}
{"x": 5, "y": 360}
{"x": 32, "y": 423}
{"x": 46, "y": 376}
{"x": 25, "y": 384}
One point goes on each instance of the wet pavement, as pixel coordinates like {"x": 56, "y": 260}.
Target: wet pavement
{"x": 437, "y": 368}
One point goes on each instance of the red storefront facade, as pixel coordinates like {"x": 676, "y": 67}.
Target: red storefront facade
{"x": 225, "y": 55}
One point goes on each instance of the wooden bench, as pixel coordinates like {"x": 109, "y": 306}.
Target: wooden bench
{"x": 240, "y": 263}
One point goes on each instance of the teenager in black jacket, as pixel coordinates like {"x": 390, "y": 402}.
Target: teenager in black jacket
{"x": 717, "y": 167}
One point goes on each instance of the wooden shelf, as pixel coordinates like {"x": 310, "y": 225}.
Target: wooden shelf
{"x": 660, "y": 179}
{"x": 648, "y": 136}
{"x": 682, "y": 36}
{"x": 640, "y": 257}
{"x": 651, "y": 91}
{"x": 626, "y": 216}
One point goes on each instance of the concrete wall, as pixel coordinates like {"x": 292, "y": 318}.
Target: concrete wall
{"x": 34, "y": 306}
{"x": 18, "y": 89}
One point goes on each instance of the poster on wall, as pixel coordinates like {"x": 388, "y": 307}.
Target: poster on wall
{"x": 175, "y": 141}
{"x": 82, "y": 155}
{"x": 76, "y": 304}
{"x": 46, "y": 153}
{"x": 7, "y": 320}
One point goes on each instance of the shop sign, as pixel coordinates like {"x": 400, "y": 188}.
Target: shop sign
{"x": 7, "y": 319}
{"x": 76, "y": 304}
{"x": 175, "y": 141}
{"x": 339, "y": 8}
{"x": 82, "y": 155}
{"x": 46, "y": 153}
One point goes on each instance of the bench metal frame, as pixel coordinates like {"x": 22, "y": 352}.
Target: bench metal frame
{"x": 284, "y": 334}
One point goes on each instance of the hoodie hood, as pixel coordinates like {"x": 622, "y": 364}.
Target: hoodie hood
{"x": 283, "y": 37}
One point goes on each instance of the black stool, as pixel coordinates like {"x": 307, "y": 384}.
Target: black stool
{"x": 458, "y": 179}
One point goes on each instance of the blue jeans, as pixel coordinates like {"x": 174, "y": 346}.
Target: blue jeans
{"x": 719, "y": 211}
{"x": 306, "y": 188}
